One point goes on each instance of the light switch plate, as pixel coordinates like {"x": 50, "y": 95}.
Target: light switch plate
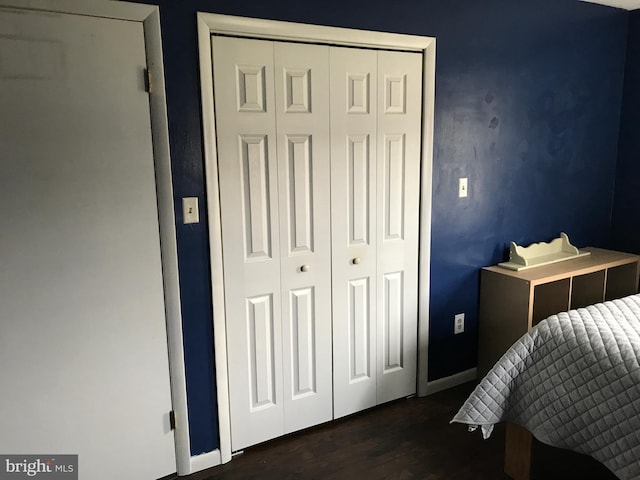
{"x": 190, "y": 213}
{"x": 463, "y": 187}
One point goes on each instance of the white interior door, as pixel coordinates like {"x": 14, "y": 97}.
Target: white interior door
{"x": 302, "y": 118}
{"x": 274, "y": 172}
{"x": 83, "y": 347}
{"x": 375, "y": 133}
{"x": 248, "y": 170}
{"x": 319, "y": 166}
{"x": 398, "y": 187}
{"x": 354, "y": 225}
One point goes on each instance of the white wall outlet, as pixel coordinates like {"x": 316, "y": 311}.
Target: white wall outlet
{"x": 463, "y": 187}
{"x": 190, "y": 212}
{"x": 458, "y": 323}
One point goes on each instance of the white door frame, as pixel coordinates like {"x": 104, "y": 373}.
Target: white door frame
{"x": 208, "y": 24}
{"x": 149, "y": 17}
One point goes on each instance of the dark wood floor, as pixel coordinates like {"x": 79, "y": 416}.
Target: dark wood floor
{"x": 407, "y": 439}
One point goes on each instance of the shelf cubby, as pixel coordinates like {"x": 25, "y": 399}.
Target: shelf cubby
{"x": 512, "y": 302}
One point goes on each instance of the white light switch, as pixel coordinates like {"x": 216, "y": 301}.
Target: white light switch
{"x": 462, "y": 188}
{"x": 190, "y": 212}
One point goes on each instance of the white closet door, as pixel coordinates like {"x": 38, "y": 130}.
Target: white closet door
{"x": 302, "y": 117}
{"x": 319, "y": 164}
{"x": 353, "y": 207}
{"x": 398, "y": 186}
{"x": 244, "y": 100}
{"x": 273, "y": 137}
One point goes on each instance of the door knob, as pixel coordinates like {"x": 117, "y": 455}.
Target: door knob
{"x": 304, "y": 268}
{"x": 355, "y": 260}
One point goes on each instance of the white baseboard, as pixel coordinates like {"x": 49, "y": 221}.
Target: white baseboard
{"x": 452, "y": 381}
{"x": 204, "y": 461}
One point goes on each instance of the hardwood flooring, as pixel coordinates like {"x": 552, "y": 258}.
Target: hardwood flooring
{"x": 403, "y": 440}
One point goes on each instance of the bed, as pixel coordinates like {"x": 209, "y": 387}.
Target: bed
{"x": 573, "y": 382}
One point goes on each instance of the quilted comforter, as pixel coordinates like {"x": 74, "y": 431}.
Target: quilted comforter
{"x": 574, "y": 382}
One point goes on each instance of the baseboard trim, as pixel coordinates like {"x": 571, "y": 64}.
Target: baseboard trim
{"x": 451, "y": 381}
{"x": 198, "y": 463}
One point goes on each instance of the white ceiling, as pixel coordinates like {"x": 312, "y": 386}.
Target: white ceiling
{"x": 626, "y": 4}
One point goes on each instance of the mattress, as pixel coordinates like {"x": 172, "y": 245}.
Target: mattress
{"x": 574, "y": 382}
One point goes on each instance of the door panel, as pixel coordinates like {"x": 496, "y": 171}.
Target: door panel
{"x": 83, "y": 342}
{"x": 247, "y": 162}
{"x": 299, "y": 206}
{"x": 302, "y": 118}
{"x": 303, "y": 339}
{"x": 359, "y": 189}
{"x": 359, "y": 325}
{"x": 393, "y": 174}
{"x": 353, "y": 208}
{"x": 393, "y": 348}
{"x": 398, "y": 184}
{"x": 261, "y": 352}
{"x": 256, "y": 198}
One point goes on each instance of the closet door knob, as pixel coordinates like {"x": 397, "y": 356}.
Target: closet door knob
{"x": 355, "y": 260}
{"x": 304, "y": 268}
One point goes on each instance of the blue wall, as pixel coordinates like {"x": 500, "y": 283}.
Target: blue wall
{"x": 528, "y": 96}
{"x": 626, "y": 225}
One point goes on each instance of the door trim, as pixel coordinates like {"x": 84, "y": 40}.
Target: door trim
{"x": 208, "y": 24}
{"x": 149, "y": 17}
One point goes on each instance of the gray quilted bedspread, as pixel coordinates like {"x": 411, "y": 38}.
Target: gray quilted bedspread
{"x": 574, "y": 382}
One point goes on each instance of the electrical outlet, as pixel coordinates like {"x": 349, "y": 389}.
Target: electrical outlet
{"x": 463, "y": 187}
{"x": 458, "y": 325}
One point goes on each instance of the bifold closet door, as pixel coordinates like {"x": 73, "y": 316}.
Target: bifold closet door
{"x": 302, "y": 118}
{"x": 353, "y": 207}
{"x": 375, "y": 173}
{"x": 272, "y": 137}
{"x": 398, "y": 186}
{"x": 247, "y": 164}
{"x": 319, "y": 168}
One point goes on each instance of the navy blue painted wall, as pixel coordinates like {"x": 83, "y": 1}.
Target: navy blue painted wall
{"x": 626, "y": 228}
{"x": 528, "y": 97}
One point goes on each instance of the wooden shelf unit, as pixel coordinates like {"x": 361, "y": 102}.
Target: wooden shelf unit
{"x": 512, "y": 302}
